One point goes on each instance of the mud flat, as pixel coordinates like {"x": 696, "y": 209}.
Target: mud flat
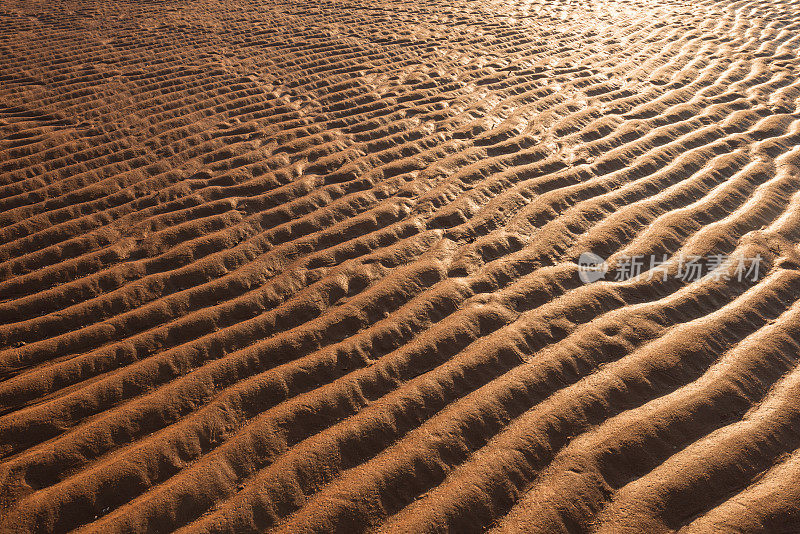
{"x": 303, "y": 267}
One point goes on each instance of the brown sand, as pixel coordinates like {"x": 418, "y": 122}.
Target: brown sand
{"x": 310, "y": 266}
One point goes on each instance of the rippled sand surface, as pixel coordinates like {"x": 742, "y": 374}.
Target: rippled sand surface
{"x": 316, "y": 266}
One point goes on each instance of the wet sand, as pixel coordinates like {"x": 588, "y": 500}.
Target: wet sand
{"x": 314, "y": 266}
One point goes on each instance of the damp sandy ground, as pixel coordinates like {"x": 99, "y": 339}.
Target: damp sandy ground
{"x": 313, "y": 266}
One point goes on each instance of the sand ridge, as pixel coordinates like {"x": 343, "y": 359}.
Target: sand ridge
{"x": 314, "y": 266}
